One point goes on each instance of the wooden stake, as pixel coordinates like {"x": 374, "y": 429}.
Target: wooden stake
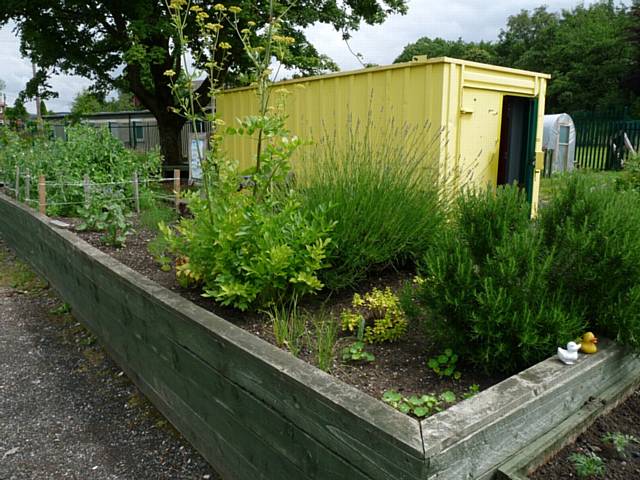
{"x": 176, "y": 188}
{"x": 136, "y": 192}
{"x": 86, "y": 186}
{"x": 42, "y": 195}
{"x": 17, "y": 182}
{"x": 27, "y": 187}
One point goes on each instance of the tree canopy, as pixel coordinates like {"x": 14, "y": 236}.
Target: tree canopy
{"x": 88, "y": 101}
{"x": 592, "y": 53}
{"x": 129, "y": 45}
{"x": 438, "y": 47}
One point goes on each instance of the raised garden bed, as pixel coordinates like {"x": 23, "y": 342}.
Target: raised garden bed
{"x": 619, "y": 464}
{"x": 399, "y": 366}
{"x": 253, "y": 410}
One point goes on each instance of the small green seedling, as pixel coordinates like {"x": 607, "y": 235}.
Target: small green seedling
{"x": 444, "y": 365}
{"x": 356, "y": 353}
{"x": 61, "y": 310}
{"x": 588, "y": 465}
{"x": 619, "y": 441}
{"x": 472, "y": 392}
{"x": 418, "y": 405}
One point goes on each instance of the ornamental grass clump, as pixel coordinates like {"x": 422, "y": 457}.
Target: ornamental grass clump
{"x": 385, "y": 194}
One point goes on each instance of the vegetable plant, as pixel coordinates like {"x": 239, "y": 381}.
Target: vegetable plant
{"x": 619, "y": 441}
{"x": 444, "y": 365}
{"x": 588, "y": 465}
{"x": 356, "y": 352}
{"x": 325, "y": 335}
{"x": 419, "y": 405}
{"x": 472, "y": 391}
{"x": 289, "y": 326}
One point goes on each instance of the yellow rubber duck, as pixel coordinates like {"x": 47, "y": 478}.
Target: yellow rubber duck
{"x": 588, "y": 343}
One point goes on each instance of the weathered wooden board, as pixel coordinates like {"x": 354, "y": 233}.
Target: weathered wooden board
{"x": 253, "y": 410}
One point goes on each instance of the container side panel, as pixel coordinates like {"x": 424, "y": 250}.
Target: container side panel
{"x": 479, "y": 137}
{"x": 408, "y": 96}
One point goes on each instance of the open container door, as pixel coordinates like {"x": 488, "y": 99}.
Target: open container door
{"x": 518, "y": 143}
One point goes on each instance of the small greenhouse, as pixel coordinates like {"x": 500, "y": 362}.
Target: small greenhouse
{"x": 559, "y": 143}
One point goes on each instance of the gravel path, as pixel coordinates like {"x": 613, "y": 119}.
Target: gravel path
{"x": 66, "y": 410}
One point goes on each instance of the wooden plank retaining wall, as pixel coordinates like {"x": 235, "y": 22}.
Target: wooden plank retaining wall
{"x": 252, "y": 410}
{"x": 256, "y": 412}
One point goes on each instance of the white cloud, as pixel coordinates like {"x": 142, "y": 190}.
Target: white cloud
{"x": 470, "y": 19}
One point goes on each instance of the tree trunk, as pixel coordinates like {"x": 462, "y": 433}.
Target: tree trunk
{"x": 170, "y": 133}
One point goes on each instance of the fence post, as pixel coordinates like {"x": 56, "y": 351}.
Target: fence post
{"x": 136, "y": 192}
{"x": 86, "y": 187}
{"x": 17, "y": 182}
{"x": 176, "y": 187}
{"x": 42, "y": 195}
{"x": 27, "y": 187}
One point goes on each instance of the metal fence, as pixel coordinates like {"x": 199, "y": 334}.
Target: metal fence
{"x": 602, "y": 138}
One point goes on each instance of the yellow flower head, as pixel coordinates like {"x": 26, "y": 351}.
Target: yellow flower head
{"x": 177, "y": 4}
{"x": 196, "y": 9}
{"x": 235, "y": 9}
{"x": 219, "y": 7}
{"x": 251, "y": 23}
{"x": 213, "y": 26}
{"x": 169, "y": 73}
{"x": 224, "y": 46}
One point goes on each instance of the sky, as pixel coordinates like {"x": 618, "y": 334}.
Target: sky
{"x": 472, "y": 20}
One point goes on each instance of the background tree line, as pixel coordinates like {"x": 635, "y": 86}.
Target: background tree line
{"x": 592, "y": 53}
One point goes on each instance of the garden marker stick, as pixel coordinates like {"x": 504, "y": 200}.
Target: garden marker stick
{"x": 42, "y": 195}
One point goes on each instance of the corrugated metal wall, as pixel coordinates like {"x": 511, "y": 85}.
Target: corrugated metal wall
{"x": 461, "y": 100}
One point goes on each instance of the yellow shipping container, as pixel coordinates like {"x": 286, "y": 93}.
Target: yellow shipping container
{"x": 489, "y": 118}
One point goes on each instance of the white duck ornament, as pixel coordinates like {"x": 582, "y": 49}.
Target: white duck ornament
{"x": 570, "y": 355}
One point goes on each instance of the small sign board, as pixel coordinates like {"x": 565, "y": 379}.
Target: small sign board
{"x": 197, "y": 151}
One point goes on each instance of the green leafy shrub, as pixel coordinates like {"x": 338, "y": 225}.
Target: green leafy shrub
{"x": 385, "y": 195}
{"x": 107, "y": 213}
{"x": 376, "y": 315}
{"x": 630, "y": 178}
{"x": 418, "y": 405}
{"x": 594, "y": 231}
{"x": 493, "y": 302}
{"x": 445, "y": 365}
{"x": 246, "y": 252}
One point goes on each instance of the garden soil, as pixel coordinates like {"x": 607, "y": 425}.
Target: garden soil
{"x": 399, "y": 366}
{"x": 623, "y": 419}
{"x": 66, "y": 410}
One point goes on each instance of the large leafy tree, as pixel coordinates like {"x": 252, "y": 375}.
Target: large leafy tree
{"x": 129, "y": 45}
{"x": 88, "y": 101}
{"x": 586, "y": 50}
{"x": 438, "y": 47}
{"x": 633, "y": 78}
